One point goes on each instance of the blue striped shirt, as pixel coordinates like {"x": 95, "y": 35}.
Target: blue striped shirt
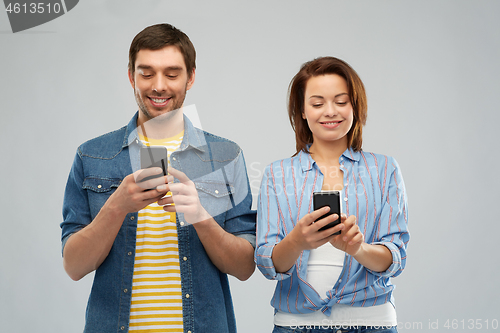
{"x": 373, "y": 191}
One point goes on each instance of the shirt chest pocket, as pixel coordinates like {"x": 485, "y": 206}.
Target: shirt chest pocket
{"x": 215, "y": 196}
{"x": 98, "y": 191}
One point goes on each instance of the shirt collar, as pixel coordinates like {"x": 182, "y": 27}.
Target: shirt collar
{"x": 307, "y": 162}
{"x": 352, "y": 155}
{"x": 192, "y": 137}
{"x": 131, "y": 131}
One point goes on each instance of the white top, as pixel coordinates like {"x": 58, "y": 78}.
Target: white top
{"x": 323, "y": 270}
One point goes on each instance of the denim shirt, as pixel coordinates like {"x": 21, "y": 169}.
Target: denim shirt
{"x": 217, "y": 168}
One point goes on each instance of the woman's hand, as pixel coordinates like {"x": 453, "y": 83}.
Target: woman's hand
{"x": 304, "y": 236}
{"x": 351, "y": 238}
{"x": 376, "y": 257}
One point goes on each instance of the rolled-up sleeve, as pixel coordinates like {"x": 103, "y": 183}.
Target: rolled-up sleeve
{"x": 393, "y": 226}
{"x": 268, "y": 228}
{"x": 240, "y": 219}
{"x": 76, "y": 212}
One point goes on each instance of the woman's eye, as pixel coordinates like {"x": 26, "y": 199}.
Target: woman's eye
{"x": 341, "y": 103}
{"x": 317, "y": 105}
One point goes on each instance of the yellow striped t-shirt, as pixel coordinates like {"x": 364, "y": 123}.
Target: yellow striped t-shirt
{"x": 156, "y": 292}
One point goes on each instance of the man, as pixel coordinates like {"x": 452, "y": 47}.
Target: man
{"x": 160, "y": 255}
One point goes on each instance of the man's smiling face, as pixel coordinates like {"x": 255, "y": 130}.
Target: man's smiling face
{"x": 160, "y": 81}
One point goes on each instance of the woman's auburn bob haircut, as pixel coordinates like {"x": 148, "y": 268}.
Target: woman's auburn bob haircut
{"x": 296, "y": 103}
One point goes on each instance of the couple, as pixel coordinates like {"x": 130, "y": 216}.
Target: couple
{"x": 162, "y": 248}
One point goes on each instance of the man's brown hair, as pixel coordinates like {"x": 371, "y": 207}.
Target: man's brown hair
{"x": 159, "y": 36}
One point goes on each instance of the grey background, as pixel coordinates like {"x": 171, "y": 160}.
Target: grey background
{"x": 431, "y": 71}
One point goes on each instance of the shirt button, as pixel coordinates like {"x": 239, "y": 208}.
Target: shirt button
{"x": 130, "y": 253}
{"x": 132, "y": 218}
{"x": 345, "y": 199}
{"x": 340, "y": 280}
{"x": 125, "y": 291}
{"x": 99, "y": 186}
{"x": 187, "y": 295}
{"x": 346, "y": 184}
{"x": 339, "y": 331}
{"x": 174, "y": 158}
{"x": 122, "y": 328}
{"x": 216, "y": 192}
{"x": 181, "y": 223}
{"x": 185, "y": 258}
{"x": 189, "y": 331}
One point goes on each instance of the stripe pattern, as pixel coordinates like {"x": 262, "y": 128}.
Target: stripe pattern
{"x": 156, "y": 304}
{"x": 373, "y": 191}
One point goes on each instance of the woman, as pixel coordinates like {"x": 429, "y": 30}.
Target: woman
{"x": 328, "y": 282}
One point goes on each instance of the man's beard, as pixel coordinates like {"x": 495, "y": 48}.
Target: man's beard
{"x": 176, "y": 105}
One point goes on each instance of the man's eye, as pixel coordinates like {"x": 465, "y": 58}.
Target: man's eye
{"x": 171, "y": 76}
{"x": 146, "y": 76}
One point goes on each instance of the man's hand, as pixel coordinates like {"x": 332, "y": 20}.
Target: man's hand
{"x": 134, "y": 194}
{"x": 230, "y": 254}
{"x": 88, "y": 248}
{"x": 184, "y": 198}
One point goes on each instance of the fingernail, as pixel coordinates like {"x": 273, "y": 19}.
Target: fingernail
{"x": 161, "y": 187}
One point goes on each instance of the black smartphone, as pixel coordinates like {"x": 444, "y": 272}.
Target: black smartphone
{"x": 154, "y": 156}
{"x": 331, "y": 199}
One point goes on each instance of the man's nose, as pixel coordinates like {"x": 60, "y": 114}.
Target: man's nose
{"x": 159, "y": 83}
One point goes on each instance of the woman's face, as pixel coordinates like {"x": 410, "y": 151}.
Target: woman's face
{"x": 328, "y": 108}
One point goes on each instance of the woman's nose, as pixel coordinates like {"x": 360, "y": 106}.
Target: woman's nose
{"x": 330, "y": 110}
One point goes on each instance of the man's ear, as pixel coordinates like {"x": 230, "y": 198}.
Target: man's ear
{"x": 131, "y": 79}
{"x": 191, "y": 80}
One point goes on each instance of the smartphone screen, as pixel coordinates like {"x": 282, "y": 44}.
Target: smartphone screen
{"x": 154, "y": 156}
{"x": 331, "y": 199}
